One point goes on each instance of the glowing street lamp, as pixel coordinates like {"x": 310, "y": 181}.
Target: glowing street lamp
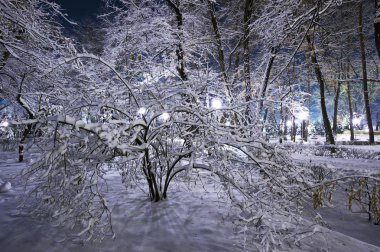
{"x": 141, "y": 111}
{"x": 303, "y": 116}
{"x": 356, "y": 121}
{"x": 165, "y": 116}
{"x": 4, "y": 124}
{"x": 216, "y": 103}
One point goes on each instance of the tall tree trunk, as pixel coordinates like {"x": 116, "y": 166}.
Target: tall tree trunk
{"x": 318, "y": 73}
{"x": 294, "y": 130}
{"x": 190, "y": 99}
{"x": 336, "y": 105}
{"x": 352, "y": 136}
{"x": 365, "y": 82}
{"x": 179, "y": 50}
{"x": 377, "y": 26}
{"x": 265, "y": 81}
{"x": 218, "y": 39}
{"x": 350, "y": 108}
{"x": 308, "y": 100}
{"x": 246, "y": 56}
{"x": 28, "y": 128}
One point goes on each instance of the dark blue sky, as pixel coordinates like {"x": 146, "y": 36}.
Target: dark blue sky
{"x": 78, "y": 10}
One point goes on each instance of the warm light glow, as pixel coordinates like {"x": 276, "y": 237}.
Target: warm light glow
{"x": 216, "y": 103}
{"x": 356, "y": 121}
{"x": 4, "y": 124}
{"x": 165, "y": 116}
{"x": 304, "y": 115}
{"x": 141, "y": 111}
{"x": 179, "y": 141}
{"x": 289, "y": 123}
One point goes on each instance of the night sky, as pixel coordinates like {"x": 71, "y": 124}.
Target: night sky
{"x": 78, "y": 10}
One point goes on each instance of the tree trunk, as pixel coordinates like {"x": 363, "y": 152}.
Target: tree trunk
{"x": 28, "y": 128}
{"x": 352, "y": 136}
{"x": 318, "y": 73}
{"x": 294, "y": 130}
{"x": 365, "y": 82}
{"x": 179, "y": 50}
{"x": 265, "y": 81}
{"x": 221, "y": 58}
{"x": 350, "y": 108}
{"x": 377, "y": 26}
{"x": 246, "y": 57}
{"x": 336, "y": 105}
{"x": 308, "y": 100}
{"x": 151, "y": 179}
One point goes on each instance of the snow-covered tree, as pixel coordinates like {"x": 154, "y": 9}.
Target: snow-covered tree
{"x": 30, "y": 42}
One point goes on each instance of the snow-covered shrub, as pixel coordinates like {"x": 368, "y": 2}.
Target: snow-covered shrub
{"x": 366, "y": 194}
{"x": 259, "y": 178}
{"x": 345, "y": 152}
{"x": 317, "y": 128}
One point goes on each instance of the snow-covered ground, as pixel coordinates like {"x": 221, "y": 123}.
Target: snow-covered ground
{"x": 195, "y": 220}
{"x": 190, "y": 220}
{"x": 339, "y": 218}
{"x": 340, "y": 138}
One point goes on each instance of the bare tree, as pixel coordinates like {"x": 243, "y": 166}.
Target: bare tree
{"x": 364, "y": 71}
{"x": 321, "y": 82}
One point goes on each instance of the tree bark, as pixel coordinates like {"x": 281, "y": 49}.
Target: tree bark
{"x": 28, "y": 128}
{"x": 365, "y": 82}
{"x": 218, "y": 39}
{"x": 377, "y": 26}
{"x": 265, "y": 81}
{"x": 308, "y": 101}
{"x": 247, "y": 73}
{"x": 294, "y": 130}
{"x": 352, "y": 136}
{"x": 179, "y": 50}
{"x": 326, "y": 122}
{"x": 246, "y": 60}
{"x": 336, "y": 105}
